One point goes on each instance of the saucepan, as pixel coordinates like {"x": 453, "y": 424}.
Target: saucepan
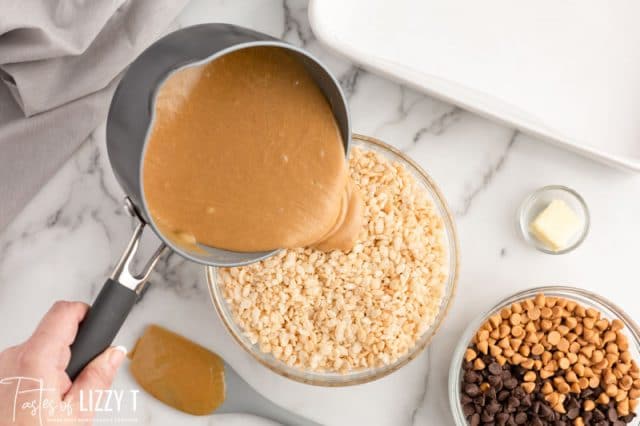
{"x": 130, "y": 119}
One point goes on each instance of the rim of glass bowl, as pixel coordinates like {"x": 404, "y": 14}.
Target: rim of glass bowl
{"x": 358, "y": 376}
{"x": 584, "y": 297}
{"x": 523, "y": 225}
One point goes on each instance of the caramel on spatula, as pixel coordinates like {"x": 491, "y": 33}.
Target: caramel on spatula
{"x": 178, "y": 372}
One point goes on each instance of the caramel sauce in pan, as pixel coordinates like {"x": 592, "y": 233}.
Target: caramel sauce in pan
{"x": 245, "y": 154}
{"x": 178, "y": 372}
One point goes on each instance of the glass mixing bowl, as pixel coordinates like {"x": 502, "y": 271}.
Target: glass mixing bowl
{"x": 583, "y": 297}
{"x": 357, "y": 376}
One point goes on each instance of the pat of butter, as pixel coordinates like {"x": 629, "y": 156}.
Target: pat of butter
{"x": 556, "y": 225}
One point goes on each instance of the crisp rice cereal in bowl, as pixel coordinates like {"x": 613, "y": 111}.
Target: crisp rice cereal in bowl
{"x": 369, "y": 309}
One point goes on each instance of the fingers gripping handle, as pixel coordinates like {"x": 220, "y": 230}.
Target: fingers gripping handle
{"x": 100, "y": 326}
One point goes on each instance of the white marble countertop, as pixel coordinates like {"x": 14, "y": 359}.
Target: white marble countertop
{"x": 68, "y": 238}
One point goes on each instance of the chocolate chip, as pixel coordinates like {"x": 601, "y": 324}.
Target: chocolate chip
{"x": 521, "y": 418}
{"x": 472, "y": 389}
{"x": 502, "y": 419}
{"x": 472, "y": 377}
{"x": 503, "y": 395}
{"x": 468, "y": 410}
{"x": 598, "y": 415}
{"x": 612, "y": 414}
{"x": 493, "y": 407}
{"x": 486, "y": 417}
{"x": 546, "y": 412}
{"x": 573, "y": 413}
{"x": 519, "y": 393}
{"x": 474, "y": 420}
{"x": 513, "y": 402}
{"x": 494, "y": 368}
{"x": 510, "y": 383}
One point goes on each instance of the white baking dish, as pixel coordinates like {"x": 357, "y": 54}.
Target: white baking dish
{"x": 567, "y": 72}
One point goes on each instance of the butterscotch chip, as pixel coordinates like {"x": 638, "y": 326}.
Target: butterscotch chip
{"x": 617, "y": 325}
{"x": 563, "y": 345}
{"x": 514, "y": 319}
{"x": 528, "y": 387}
{"x": 583, "y": 382}
{"x": 504, "y": 343}
{"x": 470, "y": 355}
{"x": 589, "y": 323}
{"x": 552, "y": 398}
{"x": 495, "y": 350}
{"x": 532, "y": 337}
{"x": 537, "y": 349}
{"x": 625, "y": 383}
{"x": 482, "y": 335}
{"x": 528, "y": 363}
{"x": 592, "y": 313}
{"x": 483, "y": 347}
{"x": 545, "y": 374}
{"x": 517, "y": 332}
{"x": 495, "y": 320}
{"x": 574, "y": 347}
{"x": 603, "y": 399}
{"x": 504, "y": 330}
{"x": 553, "y": 338}
{"x": 564, "y": 363}
{"x": 611, "y": 390}
{"x": 571, "y": 377}
{"x": 478, "y": 364}
{"x": 546, "y": 313}
{"x": 516, "y": 359}
{"x": 575, "y": 388}
{"x": 533, "y": 313}
{"x": 589, "y": 405}
{"x": 529, "y": 376}
{"x": 623, "y": 407}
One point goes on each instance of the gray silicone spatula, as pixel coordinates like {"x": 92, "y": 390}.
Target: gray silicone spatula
{"x": 242, "y": 398}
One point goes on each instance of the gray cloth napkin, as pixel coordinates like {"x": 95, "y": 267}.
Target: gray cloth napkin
{"x": 59, "y": 64}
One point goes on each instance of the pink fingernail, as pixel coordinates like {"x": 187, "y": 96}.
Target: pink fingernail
{"x": 116, "y": 356}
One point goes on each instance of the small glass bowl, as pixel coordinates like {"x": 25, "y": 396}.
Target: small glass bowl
{"x": 356, "y": 377}
{"x": 538, "y": 201}
{"x": 586, "y": 298}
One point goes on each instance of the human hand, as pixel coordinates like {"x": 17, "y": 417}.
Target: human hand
{"x": 35, "y": 390}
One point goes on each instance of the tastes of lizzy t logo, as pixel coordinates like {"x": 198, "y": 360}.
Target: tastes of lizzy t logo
{"x": 27, "y": 397}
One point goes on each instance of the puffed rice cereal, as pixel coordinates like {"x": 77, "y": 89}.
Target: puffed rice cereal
{"x": 345, "y": 311}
